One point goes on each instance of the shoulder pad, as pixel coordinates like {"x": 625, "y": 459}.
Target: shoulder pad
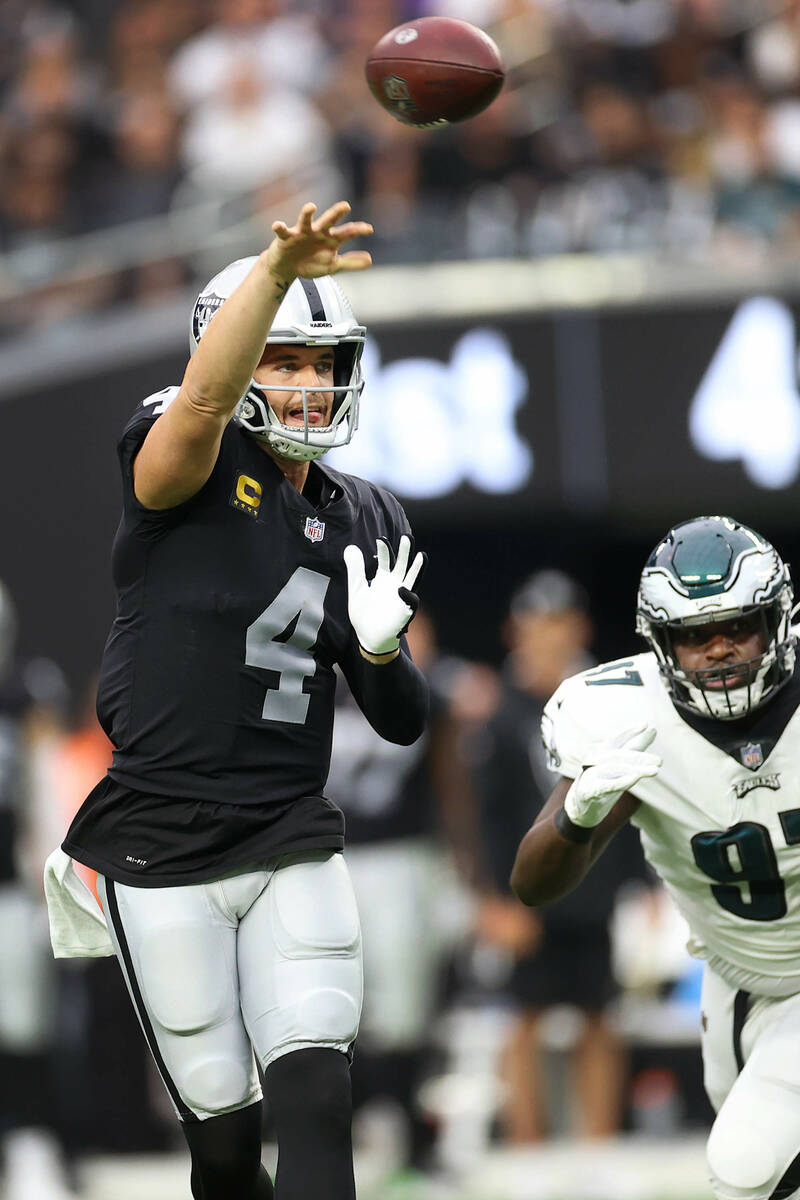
{"x": 159, "y": 402}
{"x": 142, "y": 418}
{"x": 593, "y": 706}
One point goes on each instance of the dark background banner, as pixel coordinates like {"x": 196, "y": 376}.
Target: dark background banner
{"x": 597, "y": 451}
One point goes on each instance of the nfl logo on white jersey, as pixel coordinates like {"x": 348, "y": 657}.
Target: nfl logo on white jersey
{"x": 752, "y": 756}
{"x": 315, "y": 529}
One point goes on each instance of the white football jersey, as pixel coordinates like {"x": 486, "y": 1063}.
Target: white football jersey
{"x": 723, "y": 832}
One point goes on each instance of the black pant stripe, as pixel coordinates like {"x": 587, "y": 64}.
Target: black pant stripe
{"x": 741, "y": 1004}
{"x": 314, "y": 299}
{"x": 113, "y": 914}
{"x": 789, "y": 1182}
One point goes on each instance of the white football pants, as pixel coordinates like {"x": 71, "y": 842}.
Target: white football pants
{"x": 397, "y": 885}
{"x": 260, "y": 962}
{"x": 751, "y": 1059}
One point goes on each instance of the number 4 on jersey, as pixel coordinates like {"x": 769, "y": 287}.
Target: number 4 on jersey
{"x": 299, "y": 606}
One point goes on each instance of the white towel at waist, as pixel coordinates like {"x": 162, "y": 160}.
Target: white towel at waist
{"x": 77, "y": 925}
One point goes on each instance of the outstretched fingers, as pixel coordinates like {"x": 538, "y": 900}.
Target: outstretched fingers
{"x": 383, "y": 555}
{"x": 305, "y": 222}
{"x": 414, "y": 570}
{"x": 303, "y": 225}
{"x": 354, "y": 563}
{"x": 331, "y": 215}
{"x": 351, "y": 229}
{"x": 403, "y": 551}
{"x": 312, "y": 246}
{"x": 353, "y": 260}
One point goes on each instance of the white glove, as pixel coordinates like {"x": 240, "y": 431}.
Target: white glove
{"x": 614, "y": 767}
{"x": 379, "y": 611}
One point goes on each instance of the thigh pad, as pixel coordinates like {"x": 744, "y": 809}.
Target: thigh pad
{"x": 314, "y": 909}
{"x": 184, "y": 976}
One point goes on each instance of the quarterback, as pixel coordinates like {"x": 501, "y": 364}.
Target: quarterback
{"x": 698, "y": 744}
{"x": 240, "y": 566}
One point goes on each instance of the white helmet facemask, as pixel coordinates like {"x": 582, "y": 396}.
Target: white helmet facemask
{"x": 711, "y": 570}
{"x": 314, "y": 312}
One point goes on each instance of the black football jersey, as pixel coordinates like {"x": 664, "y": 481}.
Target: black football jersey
{"x": 217, "y": 681}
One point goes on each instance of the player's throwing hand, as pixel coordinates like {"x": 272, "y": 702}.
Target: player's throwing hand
{"x": 617, "y": 765}
{"x": 310, "y": 248}
{"x": 379, "y": 611}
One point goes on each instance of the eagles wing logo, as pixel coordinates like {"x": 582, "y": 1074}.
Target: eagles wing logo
{"x": 742, "y": 786}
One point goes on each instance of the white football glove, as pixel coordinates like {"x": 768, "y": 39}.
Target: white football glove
{"x": 615, "y": 766}
{"x": 380, "y": 611}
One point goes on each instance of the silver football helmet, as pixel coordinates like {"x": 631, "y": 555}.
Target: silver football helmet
{"x": 713, "y": 569}
{"x": 314, "y": 312}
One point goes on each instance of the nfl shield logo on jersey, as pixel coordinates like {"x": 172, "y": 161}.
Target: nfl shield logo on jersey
{"x": 752, "y": 755}
{"x": 315, "y": 529}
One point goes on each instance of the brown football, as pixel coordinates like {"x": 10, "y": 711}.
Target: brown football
{"x": 434, "y": 70}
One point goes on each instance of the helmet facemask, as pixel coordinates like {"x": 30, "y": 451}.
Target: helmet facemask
{"x": 305, "y": 442}
{"x": 711, "y": 571}
{"x": 731, "y": 690}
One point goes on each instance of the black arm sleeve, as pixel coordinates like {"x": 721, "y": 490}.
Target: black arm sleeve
{"x": 393, "y": 696}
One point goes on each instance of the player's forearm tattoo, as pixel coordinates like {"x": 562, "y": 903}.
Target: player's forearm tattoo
{"x": 281, "y": 288}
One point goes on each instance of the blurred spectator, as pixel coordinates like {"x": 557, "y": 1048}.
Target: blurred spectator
{"x": 143, "y": 36}
{"x": 405, "y": 808}
{"x": 284, "y": 48}
{"x": 29, "y": 719}
{"x": 248, "y": 134}
{"x": 117, "y": 1106}
{"x": 142, "y": 173}
{"x": 560, "y": 955}
{"x": 624, "y": 125}
{"x": 37, "y": 202}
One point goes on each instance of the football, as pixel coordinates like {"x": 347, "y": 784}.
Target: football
{"x": 434, "y": 71}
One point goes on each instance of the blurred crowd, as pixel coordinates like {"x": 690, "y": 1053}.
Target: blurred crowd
{"x": 485, "y": 1023}
{"x": 671, "y": 125}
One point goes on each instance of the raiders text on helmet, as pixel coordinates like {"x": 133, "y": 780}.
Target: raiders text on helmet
{"x": 713, "y": 569}
{"x": 314, "y": 312}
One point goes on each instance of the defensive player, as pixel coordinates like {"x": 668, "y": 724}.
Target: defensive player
{"x": 240, "y": 572}
{"x": 696, "y": 743}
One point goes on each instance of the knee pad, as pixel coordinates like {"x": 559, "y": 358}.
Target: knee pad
{"x": 215, "y": 1085}
{"x": 740, "y": 1159}
{"x": 329, "y": 1014}
{"x": 184, "y": 978}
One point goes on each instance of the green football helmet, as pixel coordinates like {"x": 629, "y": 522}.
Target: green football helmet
{"x": 713, "y": 569}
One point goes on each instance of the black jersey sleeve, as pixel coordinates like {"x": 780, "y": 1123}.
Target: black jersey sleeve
{"x": 147, "y": 523}
{"x": 393, "y": 696}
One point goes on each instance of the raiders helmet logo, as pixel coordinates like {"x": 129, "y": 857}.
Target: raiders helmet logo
{"x": 204, "y": 310}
